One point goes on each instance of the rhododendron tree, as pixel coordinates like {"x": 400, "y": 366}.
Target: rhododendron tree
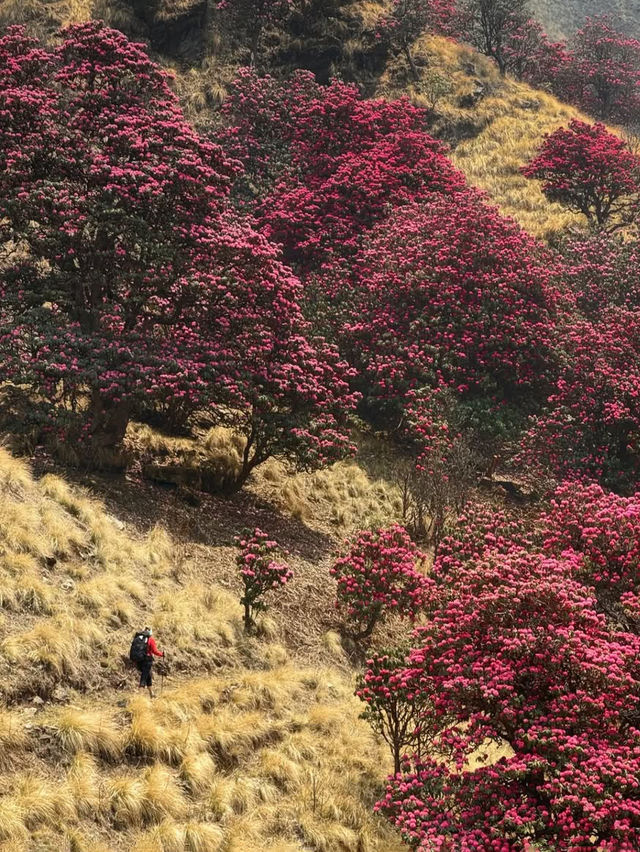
{"x": 530, "y": 56}
{"x": 396, "y": 707}
{"x": 409, "y": 19}
{"x": 262, "y": 571}
{"x": 449, "y": 293}
{"x": 515, "y": 654}
{"x": 378, "y": 575}
{"x": 604, "y": 77}
{"x": 590, "y": 426}
{"x": 136, "y": 283}
{"x": 489, "y": 24}
{"x": 589, "y": 170}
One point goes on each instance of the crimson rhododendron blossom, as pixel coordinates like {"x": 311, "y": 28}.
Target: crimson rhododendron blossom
{"x": 590, "y": 426}
{"x": 589, "y": 170}
{"x": 136, "y": 283}
{"x": 327, "y": 164}
{"x": 379, "y": 575}
{"x": 448, "y": 293}
{"x": 601, "y": 271}
{"x": 262, "y": 571}
{"x": 516, "y": 654}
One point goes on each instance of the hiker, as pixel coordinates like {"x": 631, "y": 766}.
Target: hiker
{"x": 143, "y": 650}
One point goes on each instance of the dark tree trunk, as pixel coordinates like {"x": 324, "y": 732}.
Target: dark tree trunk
{"x": 108, "y": 422}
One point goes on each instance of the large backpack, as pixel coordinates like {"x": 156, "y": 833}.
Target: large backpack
{"x": 138, "y": 651}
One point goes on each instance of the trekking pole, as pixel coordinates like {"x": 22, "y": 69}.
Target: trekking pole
{"x": 164, "y": 666}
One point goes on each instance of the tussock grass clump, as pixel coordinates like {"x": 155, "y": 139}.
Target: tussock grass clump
{"x": 43, "y": 802}
{"x": 199, "y": 617}
{"x": 148, "y": 737}
{"x": 197, "y": 772}
{"x": 233, "y": 736}
{"x": 83, "y": 782}
{"x": 345, "y": 494}
{"x": 88, "y": 731}
{"x": 56, "y": 644}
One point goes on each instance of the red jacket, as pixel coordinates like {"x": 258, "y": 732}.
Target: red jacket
{"x": 152, "y": 648}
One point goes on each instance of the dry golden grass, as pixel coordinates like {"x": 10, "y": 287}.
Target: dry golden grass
{"x": 257, "y": 752}
{"x": 344, "y": 496}
{"x": 504, "y": 129}
{"x": 91, "y": 731}
{"x": 309, "y": 790}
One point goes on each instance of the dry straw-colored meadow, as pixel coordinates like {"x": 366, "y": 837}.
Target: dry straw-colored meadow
{"x": 245, "y": 749}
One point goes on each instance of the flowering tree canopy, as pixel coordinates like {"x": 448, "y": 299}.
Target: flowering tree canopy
{"x": 590, "y": 425}
{"x": 589, "y": 170}
{"x": 604, "y": 74}
{"x": 378, "y": 575}
{"x": 133, "y": 279}
{"x": 517, "y": 655}
{"x": 326, "y": 165}
{"x": 448, "y": 293}
{"x": 530, "y": 56}
{"x": 260, "y": 570}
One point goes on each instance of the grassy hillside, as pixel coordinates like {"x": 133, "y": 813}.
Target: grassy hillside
{"x": 494, "y": 125}
{"x": 249, "y": 746}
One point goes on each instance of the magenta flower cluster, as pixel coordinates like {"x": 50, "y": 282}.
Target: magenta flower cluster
{"x": 378, "y": 575}
{"x": 260, "y": 570}
{"x": 518, "y": 653}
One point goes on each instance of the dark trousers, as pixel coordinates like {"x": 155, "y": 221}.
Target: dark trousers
{"x": 144, "y": 667}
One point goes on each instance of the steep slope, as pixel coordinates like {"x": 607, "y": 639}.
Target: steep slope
{"x": 494, "y": 126}
{"x": 245, "y": 749}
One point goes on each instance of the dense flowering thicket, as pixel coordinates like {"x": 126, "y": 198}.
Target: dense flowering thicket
{"x": 134, "y": 282}
{"x": 261, "y": 571}
{"x": 516, "y": 653}
{"x": 591, "y": 424}
{"x": 450, "y": 294}
{"x": 601, "y": 271}
{"x": 604, "y": 529}
{"x": 589, "y": 170}
{"x": 379, "y": 575}
{"x": 324, "y": 165}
